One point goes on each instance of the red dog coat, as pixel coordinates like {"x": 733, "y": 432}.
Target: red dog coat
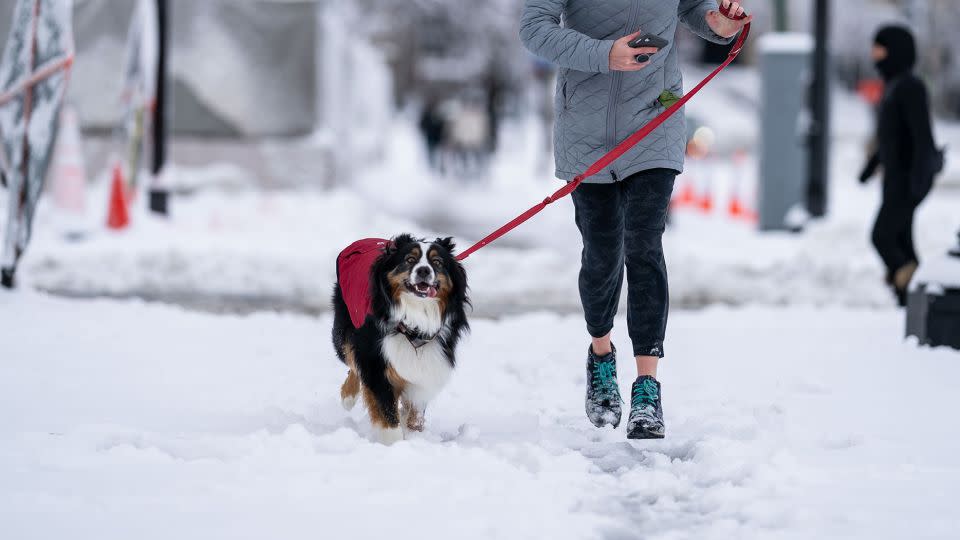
{"x": 353, "y": 275}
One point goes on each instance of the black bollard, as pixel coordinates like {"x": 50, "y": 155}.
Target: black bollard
{"x": 933, "y": 304}
{"x": 6, "y": 278}
{"x": 158, "y": 201}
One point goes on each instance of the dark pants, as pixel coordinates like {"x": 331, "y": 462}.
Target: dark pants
{"x": 622, "y": 224}
{"x": 893, "y": 233}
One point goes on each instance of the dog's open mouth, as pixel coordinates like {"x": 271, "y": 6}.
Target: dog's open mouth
{"x": 423, "y": 290}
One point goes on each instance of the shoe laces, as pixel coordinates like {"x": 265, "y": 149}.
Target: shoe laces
{"x": 605, "y": 379}
{"x": 645, "y": 394}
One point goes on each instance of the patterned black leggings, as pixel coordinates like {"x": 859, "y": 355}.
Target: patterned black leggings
{"x": 622, "y": 224}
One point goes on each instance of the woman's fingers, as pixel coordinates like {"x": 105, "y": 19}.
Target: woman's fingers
{"x": 731, "y": 9}
{"x": 629, "y": 64}
{"x": 623, "y": 56}
{"x": 635, "y": 66}
{"x": 730, "y": 19}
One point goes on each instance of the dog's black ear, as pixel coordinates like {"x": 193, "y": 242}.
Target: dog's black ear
{"x": 379, "y": 287}
{"x": 401, "y": 240}
{"x": 459, "y": 275}
{"x": 447, "y": 244}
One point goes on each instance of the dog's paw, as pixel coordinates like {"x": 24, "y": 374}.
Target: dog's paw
{"x": 348, "y": 402}
{"x": 388, "y": 436}
{"x": 414, "y": 423}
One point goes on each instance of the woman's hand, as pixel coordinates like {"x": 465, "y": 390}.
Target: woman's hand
{"x": 623, "y": 57}
{"x": 727, "y": 27}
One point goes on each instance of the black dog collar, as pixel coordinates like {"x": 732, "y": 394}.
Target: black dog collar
{"x": 416, "y": 338}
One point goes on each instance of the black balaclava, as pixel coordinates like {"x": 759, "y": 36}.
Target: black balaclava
{"x": 901, "y": 51}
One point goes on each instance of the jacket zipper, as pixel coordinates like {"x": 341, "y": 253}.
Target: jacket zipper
{"x": 615, "y": 85}
{"x": 612, "y": 111}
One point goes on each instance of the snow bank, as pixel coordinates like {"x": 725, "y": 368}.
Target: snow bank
{"x": 239, "y": 248}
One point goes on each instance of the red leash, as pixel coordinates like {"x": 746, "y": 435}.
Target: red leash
{"x": 614, "y": 154}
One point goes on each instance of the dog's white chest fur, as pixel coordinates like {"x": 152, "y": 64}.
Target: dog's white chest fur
{"x": 425, "y": 368}
{"x": 420, "y": 313}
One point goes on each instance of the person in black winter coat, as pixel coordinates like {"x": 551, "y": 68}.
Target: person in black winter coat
{"x": 905, "y": 151}
{"x": 433, "y": 128}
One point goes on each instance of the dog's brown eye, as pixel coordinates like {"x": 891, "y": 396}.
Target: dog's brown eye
{"x": 438, "y": 263}
{"x": 411, "y": 260}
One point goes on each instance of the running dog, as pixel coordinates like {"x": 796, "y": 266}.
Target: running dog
{"x": 404, "y": 352}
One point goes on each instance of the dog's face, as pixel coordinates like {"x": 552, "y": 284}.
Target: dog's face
{"x": 414, "y": 270}
{"x": 424, "y": 270}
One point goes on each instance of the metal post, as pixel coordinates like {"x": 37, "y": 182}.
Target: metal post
{"x": 784, "y": 75}
{"x": 819, "y": 155}
{"x": 780, "y": 18}
{"x": 159, "y": 195}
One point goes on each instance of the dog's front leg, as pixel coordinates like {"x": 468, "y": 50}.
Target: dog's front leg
{"x": 413, "y": 414}
{"x": 381, "y": 399}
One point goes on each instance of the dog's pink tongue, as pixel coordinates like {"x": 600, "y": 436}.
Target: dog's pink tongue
{"x": 432, "y": 292}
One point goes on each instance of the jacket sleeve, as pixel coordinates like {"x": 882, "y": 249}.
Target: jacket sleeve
{"x": 693, "y": 15}
{"x": 541, "y": 34}
{"x": 916, "y": 113}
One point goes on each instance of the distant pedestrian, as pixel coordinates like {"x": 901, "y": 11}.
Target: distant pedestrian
{"x": 604, "y": 94}
{"x": 432, "y": 127}
{"x": 494, "y": 103}
{"x": 906, "y": 152}
{"x": 468, "y": 138}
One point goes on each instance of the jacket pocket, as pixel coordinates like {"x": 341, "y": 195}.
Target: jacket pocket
{"x": 672, "y": 92}
{"x": 560, "y": 99}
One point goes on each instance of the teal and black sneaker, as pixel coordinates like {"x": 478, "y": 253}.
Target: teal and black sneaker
{"x": 646, "y": 412}
{"x": 603, "y": 390}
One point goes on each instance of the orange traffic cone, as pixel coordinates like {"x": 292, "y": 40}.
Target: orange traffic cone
{"x": 68, "y": 178}
{"x": 687, "y": 197}
{"x": 705, "y": 204}
{"x": 736, "y": 209}
{"x": 117, "y": 216}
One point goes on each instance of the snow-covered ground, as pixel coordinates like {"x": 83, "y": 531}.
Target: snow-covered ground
{"x": 130, "y": 420}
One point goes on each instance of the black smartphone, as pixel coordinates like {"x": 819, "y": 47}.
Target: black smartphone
{"x": 647, "y": 40}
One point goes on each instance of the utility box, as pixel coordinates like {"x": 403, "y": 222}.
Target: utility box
{"x": 933, "y": 304}
{"x": 784, "y": 124}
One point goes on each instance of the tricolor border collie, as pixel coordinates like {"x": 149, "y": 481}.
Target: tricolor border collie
{"x": 404, "y": 352}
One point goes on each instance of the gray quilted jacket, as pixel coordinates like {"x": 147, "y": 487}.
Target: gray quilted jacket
{"x": 597, "y": 108}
